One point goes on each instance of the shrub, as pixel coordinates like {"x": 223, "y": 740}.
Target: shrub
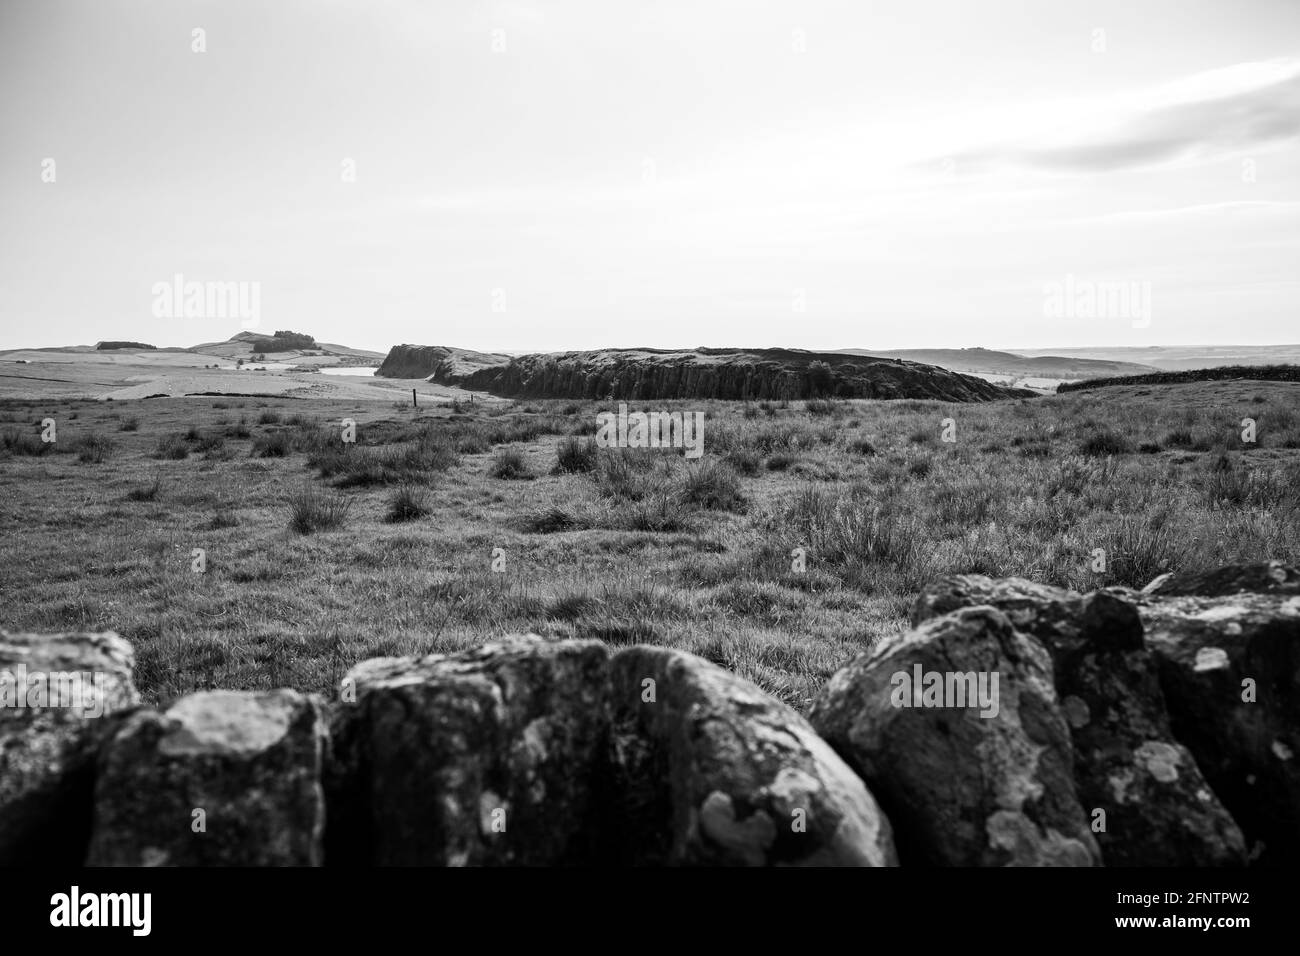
{"x": 93, "y": 448}
{"x": 313, "y": 510}
{"x": 408, "y": 503}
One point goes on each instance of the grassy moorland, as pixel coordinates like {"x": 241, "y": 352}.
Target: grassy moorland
{"x": 318, "y": 554}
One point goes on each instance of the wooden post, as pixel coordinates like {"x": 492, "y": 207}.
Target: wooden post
{"x": 414, "y": 402}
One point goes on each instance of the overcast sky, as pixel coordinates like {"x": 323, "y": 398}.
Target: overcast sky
{"x": 588, "y": 173}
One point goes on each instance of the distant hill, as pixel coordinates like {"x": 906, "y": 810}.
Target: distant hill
{"x": 989, "y": 361}
{"x": 1174, "y": 358}
{"x": 626, "y": 374}
{"x": 1278, "y": 373}
{"x": 109, "y": 346}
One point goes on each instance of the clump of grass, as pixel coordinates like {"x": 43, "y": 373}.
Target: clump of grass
{"x": 780, "y": 462}
{"x": 407, "y": 503}
{"x": 172, "y": 448}
{"x": 93, "y": 448}
{"x": 16, "y": 441}
{"x": 575, "y": 455}
{"x": 239, "y": 430}
{"x": 823, "y": 406}
{"x": 209, "y": 443}
{"x": 268, "y": 418}
{"x": 146, "y": 492}
{"x": 353, "y": 466}
{"x": 222, "y": 519}
{"x": 1106, "y": 442}
{"x": 272, "y": 445}
{"x": 862, "y": 447}
{"x": 129, "y": 424}
{"x": 746, "y": 461}
{"x": 551, "y": 519}
{"x": 658, "y": 512}
{"x": 626, "y": 474}
{"x": 510, "y": 465}
{"x": 920, "y": 468}
{"x": 713, "y": 485}
{"x": 312, "y": 510}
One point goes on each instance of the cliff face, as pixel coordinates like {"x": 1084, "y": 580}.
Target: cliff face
{"x": 436, "y": 362}
{"x": 632, "y": 374}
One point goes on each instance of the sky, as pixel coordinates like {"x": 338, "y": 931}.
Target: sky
{"x": 528, "y": 176}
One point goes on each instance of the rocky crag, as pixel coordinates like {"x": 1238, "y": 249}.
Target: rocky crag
{"x": 649, "y": 374}
{"x": 1126, "y": 728}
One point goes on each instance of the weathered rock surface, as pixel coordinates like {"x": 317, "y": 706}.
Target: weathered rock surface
{"x": 224, "y": 778}
{"x": 962, "y": 789}
{"x": 637, "y": 374}
{"x": 1230, "y": 671}
{"x": 1266, "y": 577}
{"x": 488, "y": 757}
{"x": 47, "y": 751}
{"x": 1158, "y": 808}
{"x": 708, "y": 770}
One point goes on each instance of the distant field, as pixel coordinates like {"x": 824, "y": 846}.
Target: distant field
{"x": 99, "y": 529}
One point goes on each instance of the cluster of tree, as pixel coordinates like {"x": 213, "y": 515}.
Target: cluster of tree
{"x": 105, "y": 346}
{"x": 822, "y": 380}
{"x": 283, "y": 341}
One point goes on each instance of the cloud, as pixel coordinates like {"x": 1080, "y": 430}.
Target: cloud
{"x": 1199, "y": 118}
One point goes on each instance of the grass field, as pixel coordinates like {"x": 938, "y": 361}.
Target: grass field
{"x": 436, "y": 532}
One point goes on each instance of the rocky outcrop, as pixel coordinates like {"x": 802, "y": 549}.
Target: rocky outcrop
{"x": 971, "y": 773}
{"x": 1145, "y": 796}
{"x": 55, "y": 692}
{"x": 221, "y": 778}
{"x": 649, "y": 374}
{"x": 436, "y": 362}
